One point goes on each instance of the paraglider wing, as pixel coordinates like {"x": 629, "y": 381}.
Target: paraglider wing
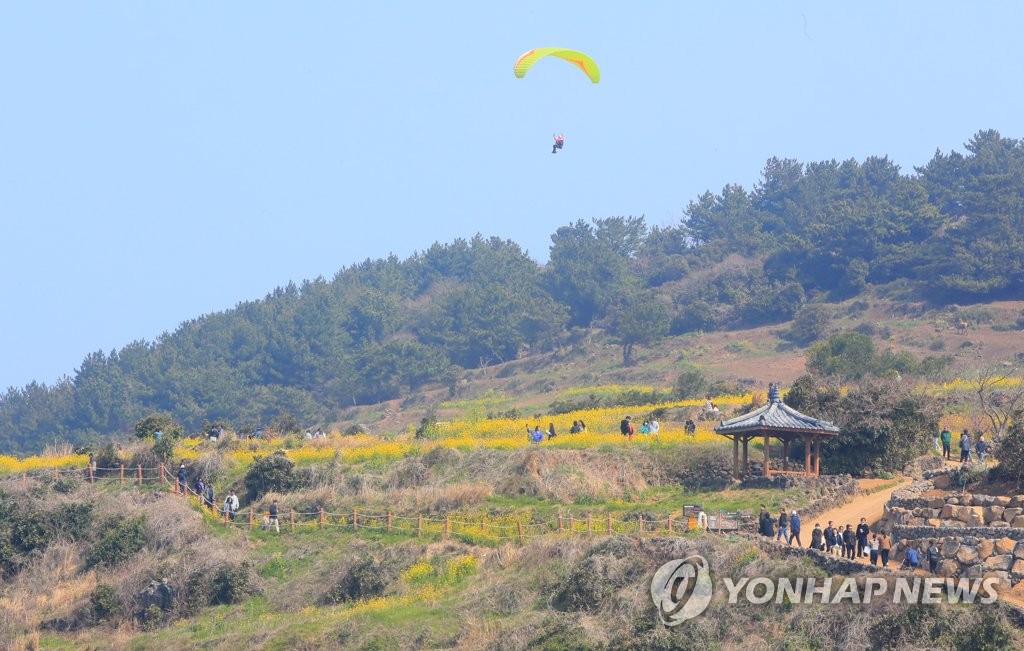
{"x": 575, "y": 57}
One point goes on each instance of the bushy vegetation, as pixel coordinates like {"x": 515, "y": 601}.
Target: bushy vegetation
{"x": 121, "y": 539}
{"x": 274, "y": 472}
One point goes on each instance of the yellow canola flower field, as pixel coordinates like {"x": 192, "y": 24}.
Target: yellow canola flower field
{"x": 10, "y": 465}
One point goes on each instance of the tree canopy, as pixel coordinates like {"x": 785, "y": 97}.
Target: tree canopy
{"x": 806, "y": 233}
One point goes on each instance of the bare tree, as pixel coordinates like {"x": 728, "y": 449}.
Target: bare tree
{"x": 1000, "y": 395}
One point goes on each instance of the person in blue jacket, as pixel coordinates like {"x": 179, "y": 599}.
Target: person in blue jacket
{"x": 794, "y": 529}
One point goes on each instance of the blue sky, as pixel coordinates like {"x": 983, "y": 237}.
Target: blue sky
{"x": 160, "y": 161}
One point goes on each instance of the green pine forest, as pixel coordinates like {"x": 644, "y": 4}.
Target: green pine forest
{"x": 950, "y": 232}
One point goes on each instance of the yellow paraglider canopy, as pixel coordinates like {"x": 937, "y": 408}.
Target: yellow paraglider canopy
{"x": 575, "y": 57}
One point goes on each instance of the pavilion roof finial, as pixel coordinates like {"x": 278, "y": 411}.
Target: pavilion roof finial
{"x": 774, "y": 394}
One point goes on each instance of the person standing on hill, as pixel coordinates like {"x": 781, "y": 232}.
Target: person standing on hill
{"x": 981, "y": 446}
{"x": 873, "y": 546}
{"x": 182, "y": 479}
{"x": 551, "y": 431}
{"x": 817, "y": 538}
{"x": 655, "y": 426}
{"x": 947, "y": 442}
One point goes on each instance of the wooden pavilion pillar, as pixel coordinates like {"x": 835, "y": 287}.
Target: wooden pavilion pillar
{"x": 767, "y": 457}
{"x": 807, "y": 454}
{"x": 736, "y": 457}
{"x": 785, "y": 454}
{"x": 817, "y": 456}
{"x": 746, "y": 466}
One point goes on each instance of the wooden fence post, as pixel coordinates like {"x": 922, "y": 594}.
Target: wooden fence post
{"x": 519, "y": 525}
{"x": 355, "y": 519}
{"x": 250, "y": 518}
{"x": 321, "y": 517}
{"x": 24, "y": 479}
{"x": 419, "y": 525}
{"x": 292, "y": 518}
{"x": 572, "y": 525}
{"x": 483, "y": 522}
{"x": 670, "y": 524}
{"x": 609, "y": 524}
{"x": 389, "y": 521}
{"x": 92, "y": 476}
{"x": 447, "y": 525}
{"x": 720, "y": 514}
{"x": 590, "y": 528}
{"x": 559, "y": 522}
{"x": 140, "y": 474}
{"x": 163, "y": 476}
{"x": 56, "y": 477}
{"x": 122, "y": 474}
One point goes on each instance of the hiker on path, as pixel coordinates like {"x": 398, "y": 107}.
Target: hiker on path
{"x": 873, "y": 547}
{"x": 934, "y": 556}
{"x": 208, "y": 496}
{"x": 911, "y": 560}
{"x": 794, "y": 530}
{"x": 862, "y": 537}
{"x": 767, "y": 529}
{"x": 981, "y": 446}
{"x": 947, "y": 442}
{"x": 849, "y": 542}
{"x": 965, "y": 446}
{"x": 783, "y": 526}
{"x": 817, "y": 538}
{"x": 182, "y": 479}
{"x": 273, "y": 522}
{"x": 884, "y": 546}
{"x": 830, "y": 538}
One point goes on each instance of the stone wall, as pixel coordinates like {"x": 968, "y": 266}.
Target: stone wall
{"x": 972, "y": 557}
{"x": 980, "y": 536}
{"x": 909, "y": 507}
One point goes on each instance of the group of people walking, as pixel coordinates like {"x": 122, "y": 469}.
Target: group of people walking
{"x": 847, "y": 542}
{"x": 968, "y": 446}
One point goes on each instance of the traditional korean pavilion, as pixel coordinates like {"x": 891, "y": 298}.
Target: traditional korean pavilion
{"x": 777, "y": 420}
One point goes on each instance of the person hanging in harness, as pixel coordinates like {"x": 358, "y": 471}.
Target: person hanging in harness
{"x": 559, "y": 142}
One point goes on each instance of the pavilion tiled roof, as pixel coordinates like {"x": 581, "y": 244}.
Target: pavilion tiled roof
{"x": 776, "y": 415}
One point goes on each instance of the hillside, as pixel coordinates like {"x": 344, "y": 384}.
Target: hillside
{"x": 815, "y": 245}
{"x": 470, "y": 540}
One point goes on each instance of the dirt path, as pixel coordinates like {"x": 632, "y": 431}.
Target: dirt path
{"x": 871, "y": 506}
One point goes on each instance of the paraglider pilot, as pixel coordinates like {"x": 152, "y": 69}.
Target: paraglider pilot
{"x": 559, "y": 141}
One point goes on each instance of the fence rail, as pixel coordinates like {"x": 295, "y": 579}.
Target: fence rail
{"x": 415, "y": 525}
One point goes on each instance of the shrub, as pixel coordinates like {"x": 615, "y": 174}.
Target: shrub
{"x": 811, "y": 323}
{"x": 72, "y": 520}
{"x": 1011, "y": 454}
{"x": 104, "y": 602}
{"x": 232, "y": 584}
{"x": 122, "y": 539}
{"x": 163, "y": 449}
{"x": 271, "y": 473}
{"x": 366, "y": 579}
{"x": 691, "y": 382}
{"x": 158, "y": 422}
